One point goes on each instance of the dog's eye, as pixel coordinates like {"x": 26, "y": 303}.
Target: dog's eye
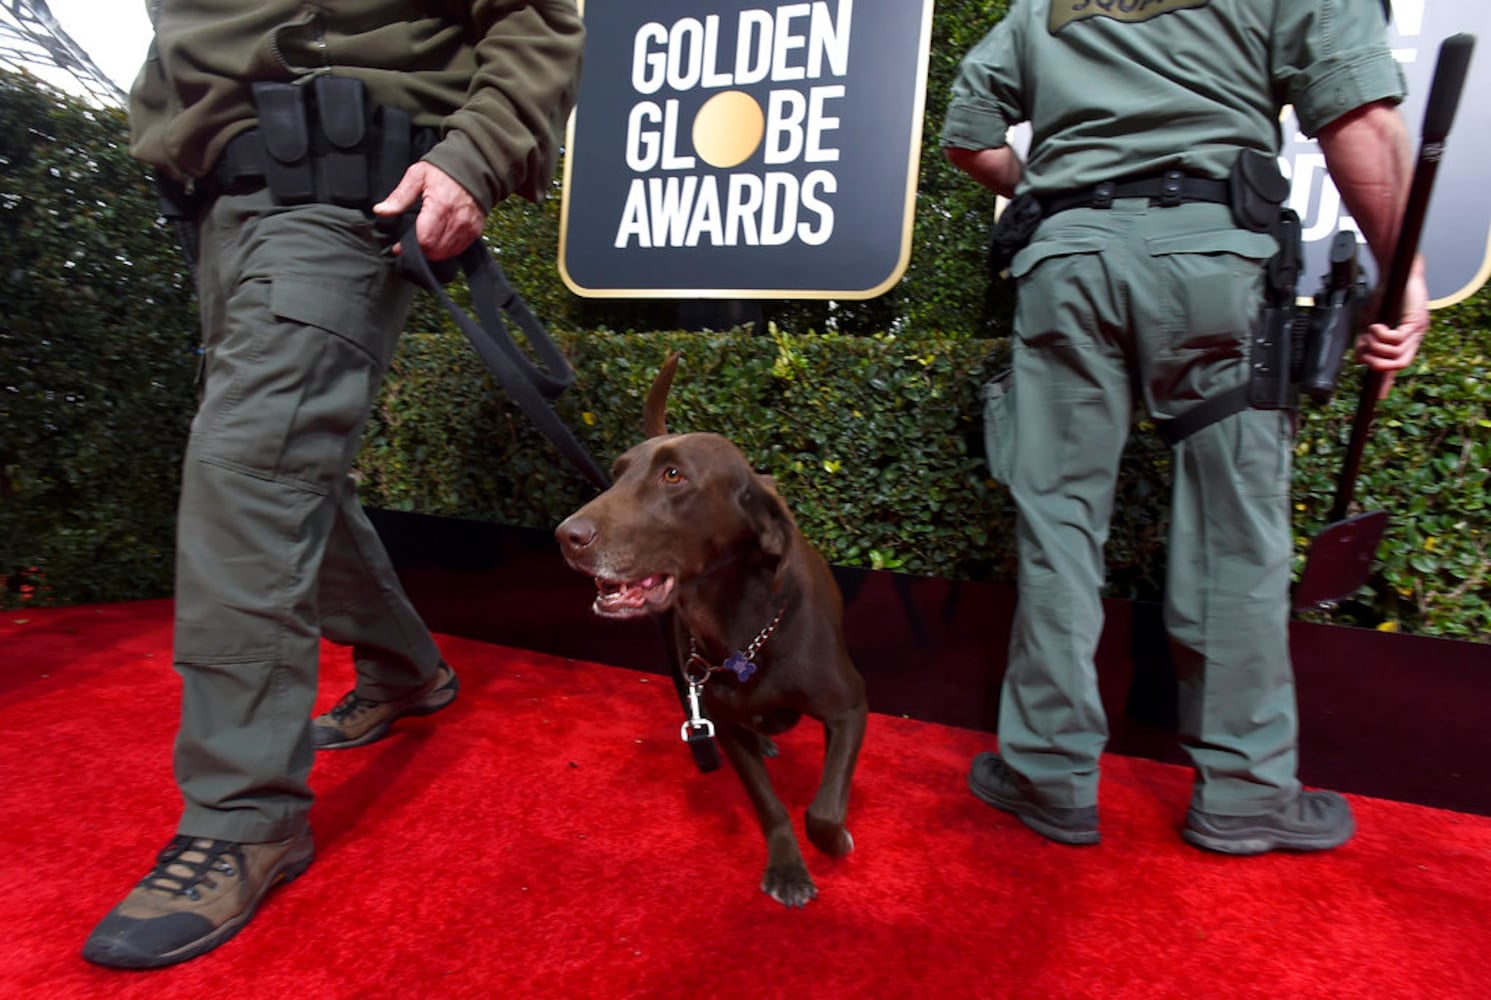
{"x": 672, "y": 476}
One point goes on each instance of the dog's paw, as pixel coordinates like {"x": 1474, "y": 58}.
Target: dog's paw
{"x": 790, "y": 885}
{"x": 832, "y": 839}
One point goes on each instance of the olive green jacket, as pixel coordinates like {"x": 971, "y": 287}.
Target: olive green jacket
{"x": 498, "y": 77}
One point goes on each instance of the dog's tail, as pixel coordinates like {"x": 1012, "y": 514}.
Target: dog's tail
{"x": 655, "y": 410}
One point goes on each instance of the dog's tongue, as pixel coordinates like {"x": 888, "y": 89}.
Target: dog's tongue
{"x": 626, "y": 599}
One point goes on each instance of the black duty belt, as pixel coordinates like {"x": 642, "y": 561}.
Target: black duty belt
{"x": 240, "y": 168}
{"x": 244, "y": 165}
{"x": 1174, "y": 187}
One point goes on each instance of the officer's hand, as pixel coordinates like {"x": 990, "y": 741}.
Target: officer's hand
{"x": 1390, "y": 349}
{"x": 449, "y": 218}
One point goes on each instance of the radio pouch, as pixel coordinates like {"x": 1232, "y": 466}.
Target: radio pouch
{"x": 1256, "y": 188}
{"x": 282, "y": 125}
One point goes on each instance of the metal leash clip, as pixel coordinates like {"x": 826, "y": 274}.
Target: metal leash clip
{"x": 696, "y": 726}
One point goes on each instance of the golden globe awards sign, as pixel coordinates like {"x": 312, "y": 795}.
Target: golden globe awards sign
{"x": 744, "y": 149}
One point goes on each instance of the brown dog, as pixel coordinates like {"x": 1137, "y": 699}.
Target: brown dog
{"x": 758, "y": 619}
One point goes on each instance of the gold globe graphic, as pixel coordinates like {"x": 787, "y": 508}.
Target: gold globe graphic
{"x": 728, "y": 128}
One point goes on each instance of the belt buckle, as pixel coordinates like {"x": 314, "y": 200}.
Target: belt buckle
{"x": 1102, "y": 195}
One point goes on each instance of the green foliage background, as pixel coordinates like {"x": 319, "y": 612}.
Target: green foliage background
{"x": 97, "y": 357}
{"x": 866, "y": 413}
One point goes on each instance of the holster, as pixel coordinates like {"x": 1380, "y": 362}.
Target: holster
{"x": 1256, "y": 189}
{"x": 1272, "y": 383}
{"x": 1332, "y": 321}
{"x": 176, "y": 203}
{"x": 1013, "y": 230}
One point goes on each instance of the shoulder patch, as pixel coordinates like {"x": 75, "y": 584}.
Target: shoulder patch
{"x": 1064, "y": 12}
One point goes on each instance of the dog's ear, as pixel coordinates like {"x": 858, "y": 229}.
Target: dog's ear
{"x": 770, "y": 518}
{"x": 655, "y": 410}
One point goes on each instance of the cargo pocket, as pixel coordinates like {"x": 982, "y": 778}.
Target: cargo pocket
{"x": 1044, "y": 249}
{"x": 999, "y": 437}
{"x": 345, "y": 313}
{"x": 1059, "y": 279}
{"x": 339, "y": 352}
{"x": 1195, "y": 323}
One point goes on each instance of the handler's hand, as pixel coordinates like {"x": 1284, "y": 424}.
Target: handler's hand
{"x": 1389, "y": 349}
{"x": 449, "y": 218}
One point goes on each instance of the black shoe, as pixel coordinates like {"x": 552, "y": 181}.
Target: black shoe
{"x": 1311, "y": 821}
{"x": 200, "y": 894}
{"x": 996, "y": 783}
{"x": 357, "y": 721}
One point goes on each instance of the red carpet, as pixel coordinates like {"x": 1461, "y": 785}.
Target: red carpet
{"x": 548, "y": 836}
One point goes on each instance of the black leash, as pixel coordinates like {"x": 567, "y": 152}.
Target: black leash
{"x": 530, "y": 386}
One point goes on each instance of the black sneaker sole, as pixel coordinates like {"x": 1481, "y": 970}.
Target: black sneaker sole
{"x": 1259, "y": 840}
{"x": 450, "y": 689}
{"x": 110, "y": 953}
{"x": 1031, "y": 816}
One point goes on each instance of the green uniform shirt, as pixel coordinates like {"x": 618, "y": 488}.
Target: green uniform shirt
{"x": 1203, "y": 79}
{"x": 498, "y": 76}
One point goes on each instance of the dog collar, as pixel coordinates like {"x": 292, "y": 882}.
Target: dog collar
{"x": 741, "y": 663}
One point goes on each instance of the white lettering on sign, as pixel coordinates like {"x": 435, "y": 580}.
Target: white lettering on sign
{"x": 687, "y": 54}
{"x": 672, "y": 203}
{"x": 769, "y": 210}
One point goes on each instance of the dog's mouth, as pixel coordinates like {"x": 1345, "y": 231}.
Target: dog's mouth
{"x": 631, "y": 598}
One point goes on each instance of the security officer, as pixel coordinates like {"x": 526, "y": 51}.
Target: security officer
{"x": 276, "y": 125}
{"x": 1155, "y": 127}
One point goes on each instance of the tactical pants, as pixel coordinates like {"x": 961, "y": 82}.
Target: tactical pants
{"x": 1139, "y": 303}
{"x": 301, "y": 312}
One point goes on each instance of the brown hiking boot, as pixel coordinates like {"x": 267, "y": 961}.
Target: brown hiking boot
{"x": 200, "y": 894}
{"x": 356, "y": 721}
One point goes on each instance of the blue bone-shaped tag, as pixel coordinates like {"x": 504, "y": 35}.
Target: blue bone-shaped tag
{"x": 741, "y": 667}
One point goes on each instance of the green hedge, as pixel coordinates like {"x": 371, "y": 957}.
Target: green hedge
{"x": 1429, "y": 464}
{"x": 876, "y": 443}
{"x": 98, "y": 356}
{"x": 874, "y": 440}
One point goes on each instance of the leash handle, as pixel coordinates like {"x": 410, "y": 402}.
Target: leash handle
{"x": 1444, "y": 99}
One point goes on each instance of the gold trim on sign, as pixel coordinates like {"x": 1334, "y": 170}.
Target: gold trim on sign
{"x": 1475, "y": 285}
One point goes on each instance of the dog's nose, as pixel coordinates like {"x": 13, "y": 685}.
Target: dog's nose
{"x": 575, "y": 533}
